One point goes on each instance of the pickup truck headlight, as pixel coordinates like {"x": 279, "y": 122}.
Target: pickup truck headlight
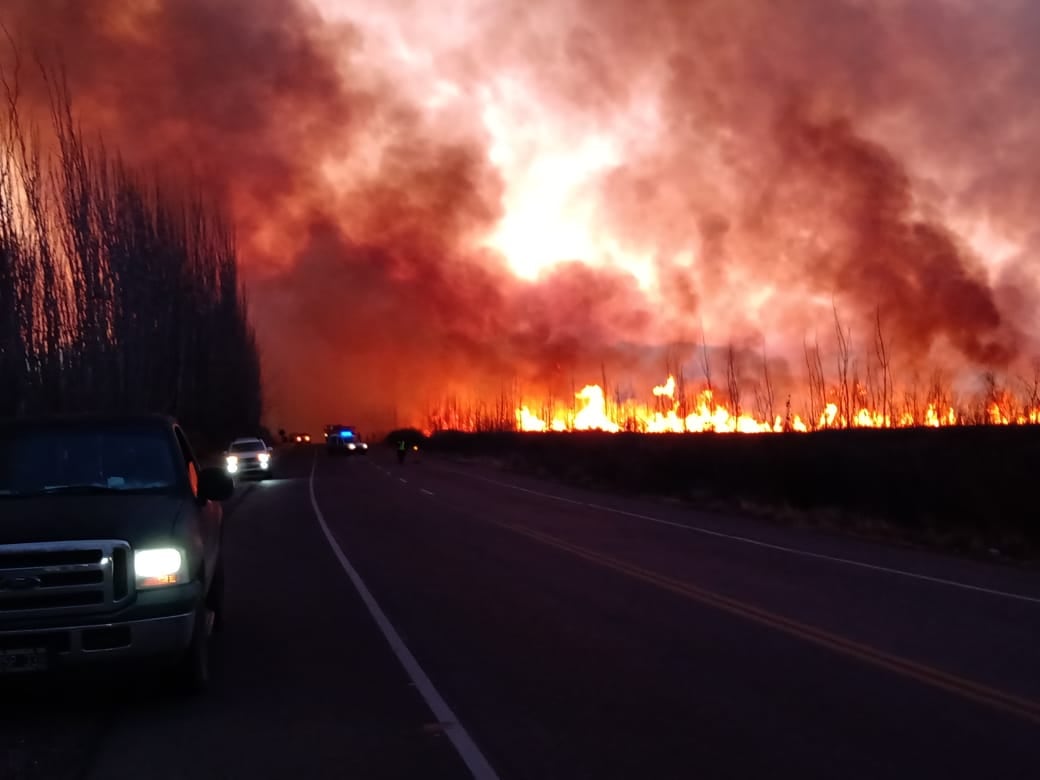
{"x": 232, "y": 463}
{"x": 158, "y": 567}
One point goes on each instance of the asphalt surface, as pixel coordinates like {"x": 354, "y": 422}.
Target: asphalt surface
{"x": 572, "y": 635}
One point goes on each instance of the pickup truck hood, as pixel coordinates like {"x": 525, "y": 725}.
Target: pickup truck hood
{"x": 137, "y": 519}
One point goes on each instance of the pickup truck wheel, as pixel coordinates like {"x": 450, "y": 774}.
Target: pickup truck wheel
{"x": 193, "y": 670}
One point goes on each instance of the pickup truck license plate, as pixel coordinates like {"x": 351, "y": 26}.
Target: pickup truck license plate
{"x": 30, "y": 659}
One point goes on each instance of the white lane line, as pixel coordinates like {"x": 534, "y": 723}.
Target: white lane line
{"x": 405, "y": 481}
{"x": 427, "y": 492}
{"x": 779, "y": 547}
{"x": 474, "y": 760}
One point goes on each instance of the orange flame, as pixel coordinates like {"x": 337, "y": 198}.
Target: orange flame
{"x": 593, "y": 417}
{"x": 707, "y": 414}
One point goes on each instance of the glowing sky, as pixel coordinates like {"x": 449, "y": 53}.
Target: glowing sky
{"x": 527, "y": 190}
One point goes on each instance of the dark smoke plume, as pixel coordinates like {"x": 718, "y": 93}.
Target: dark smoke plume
{"x": 791, "y": 156}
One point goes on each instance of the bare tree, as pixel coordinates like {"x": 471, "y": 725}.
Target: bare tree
{"x": 810, "y": 374}
{"x": 912, "y": 398}
{"x": 871, "y": 389}
{"x": 857, "y": 395}
{"x": 705, "y": 362}
{"x": 769, "y": 394}
{"x": 844, "y": 338}
{"x": 681, "y": 394}
{"x": 817, "y": 383}
{"x": 939, "y": 394}
{"x": 884, "y": 368}
{"x": 1001, "y": 405}
{"x": 733, "y": 381}
{"x": 114, "y": 294}
{"x": 1031, "y": 395}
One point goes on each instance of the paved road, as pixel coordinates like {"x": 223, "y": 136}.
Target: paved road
{"x": 572, "y": 635}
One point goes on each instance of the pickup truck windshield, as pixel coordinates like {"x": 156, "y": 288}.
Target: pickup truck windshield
{"x": 79, "y": 460}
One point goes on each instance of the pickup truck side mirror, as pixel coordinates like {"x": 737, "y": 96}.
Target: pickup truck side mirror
{"x": 215, "y": 485}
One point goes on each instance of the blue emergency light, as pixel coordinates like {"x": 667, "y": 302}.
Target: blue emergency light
{"x": 346, "y": 434}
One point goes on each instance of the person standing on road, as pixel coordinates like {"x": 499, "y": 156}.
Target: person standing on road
{"x": 402, "y": 450}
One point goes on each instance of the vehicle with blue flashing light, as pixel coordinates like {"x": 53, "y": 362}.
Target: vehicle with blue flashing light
{"x": 110, "y": 546}
{"x": 344, "y": 440}
{"x": 249, "y": 457}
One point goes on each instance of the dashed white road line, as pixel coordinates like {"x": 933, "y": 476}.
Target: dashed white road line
{"x": 467, "y": 749}
{"x": 427, "y": 492}
{"x": 405, "y": 481}
{"x": 769, "y": 545}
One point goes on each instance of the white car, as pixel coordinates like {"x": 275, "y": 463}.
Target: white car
{"x": 249, "y": 457}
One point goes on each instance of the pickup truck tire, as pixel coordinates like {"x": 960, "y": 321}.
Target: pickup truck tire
{"x": 192, "y": 674}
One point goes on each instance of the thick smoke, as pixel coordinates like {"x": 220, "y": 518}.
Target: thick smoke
{"x": 767, "y": 161}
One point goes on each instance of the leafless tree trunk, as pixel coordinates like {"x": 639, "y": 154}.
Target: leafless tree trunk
{"x": 817, "y": 383}
{"x": 844, "y": 338}
{"x": 1031, "y": 389}
{"x": 810, "y": 373}
{"x": 857, "y": 394}
{"x": 939, "y": 394}
{"x": 1000, "y": 402}
{"x": 884, "y": 367}
{"x": 912, "y": 399}
{"x": 681, "y": 397}
{"x": 769, "y": 394}
{"x": 873, "y": 393}
{"x": 706, "y": 363}
{"x": 733, "y": 381}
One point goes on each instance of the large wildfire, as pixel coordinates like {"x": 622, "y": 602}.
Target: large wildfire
{"x": 436, "y": 201}
{"x": 674, "y": 409}
{"x": 703, "y": 413}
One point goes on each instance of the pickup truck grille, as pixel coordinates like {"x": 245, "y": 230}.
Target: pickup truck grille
{"x": 64, "y": 577}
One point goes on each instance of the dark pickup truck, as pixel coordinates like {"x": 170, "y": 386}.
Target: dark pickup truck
{"x": 110, "y": 545}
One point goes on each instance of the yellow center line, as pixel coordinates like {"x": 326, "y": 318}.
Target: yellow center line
{"x": 936, "y": 678}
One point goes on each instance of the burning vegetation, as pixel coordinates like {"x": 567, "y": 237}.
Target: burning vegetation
{"x": 847, "y": 399}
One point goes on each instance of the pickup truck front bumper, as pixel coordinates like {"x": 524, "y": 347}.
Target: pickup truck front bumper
{"x": 130, "y": 639}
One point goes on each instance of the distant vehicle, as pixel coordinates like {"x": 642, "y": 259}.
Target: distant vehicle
{"x": 249, "y": 458}
{"x": 110, "y": 546}
{"x": 300, "y": 438}
{"x": 344, "y": 440}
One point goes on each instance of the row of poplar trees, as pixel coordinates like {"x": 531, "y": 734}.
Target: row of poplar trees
{"x": 117, "y": 293}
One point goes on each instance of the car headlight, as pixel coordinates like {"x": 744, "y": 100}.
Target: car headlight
{"x": 232, "y": 463}
{"x": 264, "y": 457}
{"x": 364, "y": 446}
{"x": 351, "y": 446}
{"x": 159, "y": 567}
